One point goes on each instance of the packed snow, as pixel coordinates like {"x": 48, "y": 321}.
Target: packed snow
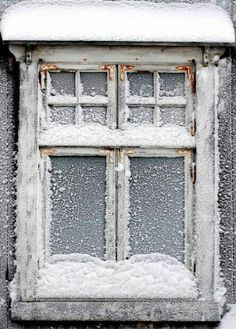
{"x": 98, "y": 135}
{"x": 142, "y": 276}
{"x": 229, "y": 320}
{"x": 116, "y": 21}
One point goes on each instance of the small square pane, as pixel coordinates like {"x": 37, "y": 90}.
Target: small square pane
{"x": 141, "y": 115}
{"x": 94, "y": 84}
{"x": 172, "y": 84}
{"x": 95, "y": 114}
{"x": 62, "y": 83}
{"x": 141, "y": 84}
{"x": 64, "y": 115}
{"x": 78, "y": 205}
{"x": 157, "y": 192}
{"x": 173, "y": 116}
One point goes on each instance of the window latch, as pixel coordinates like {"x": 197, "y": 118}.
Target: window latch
{"x": 109, "y": 68}
{"x": 125, "y": 68}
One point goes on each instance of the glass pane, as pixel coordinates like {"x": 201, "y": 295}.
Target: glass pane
{"x": 174, "y": 116}
{"x": 63, "y": 115}
{"x": 94, "y": 83}
{"x": 95, "y": 114}
{"x": 62, "y": 83}
{"x": 172, "y": 84}
{"x": 78, "y": 205}
{"x": 141, "y": 115}
{"x": 157, "y": 206}
{"x": 141, "y": 84}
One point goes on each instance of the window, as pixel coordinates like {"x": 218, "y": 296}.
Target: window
{"x": 108, "y": 161}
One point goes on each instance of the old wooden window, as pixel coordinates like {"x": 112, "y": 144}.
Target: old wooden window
{"x": 108, "y": 161}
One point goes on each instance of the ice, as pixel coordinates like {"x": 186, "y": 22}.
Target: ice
{"x": 63, "y": 115}
{"x": 101, "y": 21}
{"x": 172, "y": 84}
{"x": 78, "y": 205}
{"x": 157, "y": 194}
{"x": 142, "y": 276}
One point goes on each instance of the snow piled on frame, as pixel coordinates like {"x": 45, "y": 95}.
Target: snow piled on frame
{"x": 229, "y": 320}
{"x": 142, "y": 276}
{"x": 131, "y": 21}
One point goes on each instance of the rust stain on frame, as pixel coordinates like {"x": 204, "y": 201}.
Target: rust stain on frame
{"x": 190, "y": 74}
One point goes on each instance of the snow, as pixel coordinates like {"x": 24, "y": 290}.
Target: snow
{"x": 99, "y": 135}
{"x": 229, "y": 320}
{"x": 143, "y": 276}
{"x": 101, "y": 21}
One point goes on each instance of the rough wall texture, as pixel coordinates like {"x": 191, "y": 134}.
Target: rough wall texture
{"x": 227, "y": 195}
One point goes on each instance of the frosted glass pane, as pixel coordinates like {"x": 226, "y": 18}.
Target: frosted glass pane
{"x": 141, "y": 115}
{"x": 63, "y": 115}
{"x": 174, "y": 116}
{"x": 172, "y": 84}
{"x": 157, "y": 206}
{"x": 62, "y": 83}
{"x": 94, "y": 83}
{"x": 95, "y": 114}
{"x": 78, "y": 205}
{"x": 141, "y": 84}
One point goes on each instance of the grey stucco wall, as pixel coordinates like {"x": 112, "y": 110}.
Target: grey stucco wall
{"x": 8, "y": 147}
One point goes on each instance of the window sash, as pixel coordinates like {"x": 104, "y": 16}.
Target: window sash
{"x": 123, "y": 207}
{"x": 79, "y": 100}
{"x": 110, "y": 228}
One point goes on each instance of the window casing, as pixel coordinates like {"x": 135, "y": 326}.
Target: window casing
{"x": 131, "y": 144}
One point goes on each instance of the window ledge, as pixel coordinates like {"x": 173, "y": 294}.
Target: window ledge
{"x": 117, "y": 310}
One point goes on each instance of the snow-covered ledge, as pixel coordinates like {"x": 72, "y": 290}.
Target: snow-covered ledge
{"x": 116, "y": 21}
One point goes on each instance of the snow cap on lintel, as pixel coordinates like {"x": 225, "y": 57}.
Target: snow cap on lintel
{"x": 116, "y": 21}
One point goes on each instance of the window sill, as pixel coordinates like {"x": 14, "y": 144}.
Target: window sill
{"x": 117, "y": 310}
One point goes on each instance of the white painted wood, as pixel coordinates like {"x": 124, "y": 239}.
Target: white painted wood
{"x": 116, "y": 54}
{"x": 118, "y": 310}
{"x": 206, "y": 198}
{"x": 27, "y": 178}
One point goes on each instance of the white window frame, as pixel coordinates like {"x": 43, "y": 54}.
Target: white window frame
{"x": 25, "y": 306}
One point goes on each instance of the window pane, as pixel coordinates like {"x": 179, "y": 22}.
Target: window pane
{"x": 62, "y": 83}
{"x": 94, "y": 83}
{"x": 174, "y": 116}
{"x": 63, "y": 115}
{"x": 157, "y": 206}
{"x": 172, "y": 84}
{"x": 141, "y": 115}
{"x": 95, "y": 114}
{"x": 141, "y": 84}
{"x": 78, "y": 205}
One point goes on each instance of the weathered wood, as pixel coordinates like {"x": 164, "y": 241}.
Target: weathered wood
{"x": 152, "y": 310}
{"x": 206, "y": 189}
{"x": 27, "y": 212}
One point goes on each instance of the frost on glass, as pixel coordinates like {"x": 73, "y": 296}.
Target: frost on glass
{"x": 95, "y": 114}
{"x": 173, "y": 116}
{"x": 94, "y": 84}
{"x": 172, "y": 84}
{"x": 157, "y": 206}
{"x": 62, "y": 83}
{"x": 78, "y": 205}
{"x": 63, "y": 115}
{"x": 141, "y": 115}
{"x": 141, "y": 84}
